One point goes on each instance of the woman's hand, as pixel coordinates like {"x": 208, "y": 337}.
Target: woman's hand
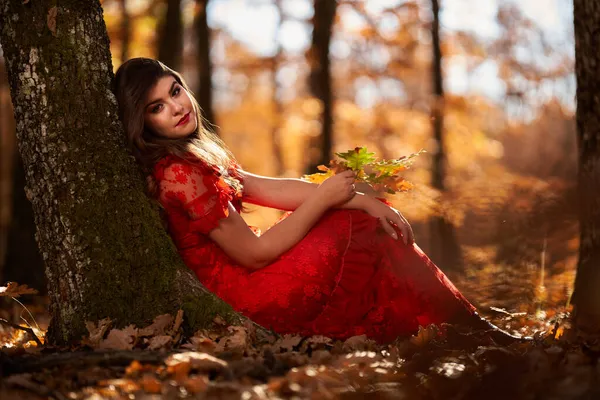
{"x": 390, "y": 218}
{"x": 337, "y": 189}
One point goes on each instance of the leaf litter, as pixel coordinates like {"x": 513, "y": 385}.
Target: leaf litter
{"x": 438, "y": 362}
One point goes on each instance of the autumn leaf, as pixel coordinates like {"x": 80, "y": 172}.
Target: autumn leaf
{"x": 13, "y": 289}
{"x": 424, "y": 335}
{"x": 358, "y": 158}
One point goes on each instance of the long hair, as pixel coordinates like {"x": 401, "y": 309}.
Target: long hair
{"x": 132, "y": 83}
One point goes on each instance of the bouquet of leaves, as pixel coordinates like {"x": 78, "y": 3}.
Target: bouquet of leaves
{"x": 381, "y": 175}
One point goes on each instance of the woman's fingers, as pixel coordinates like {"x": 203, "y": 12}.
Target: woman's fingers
{"x": 388, "y": 228}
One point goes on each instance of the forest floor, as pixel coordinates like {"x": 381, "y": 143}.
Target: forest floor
{"x": 440, "y": 362}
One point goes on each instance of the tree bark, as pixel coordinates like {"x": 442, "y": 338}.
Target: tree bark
{"x": 105, "y": 250}
{"x": 320, "y": 80}
{"x": 445, "y": 250}
{"x": 586, "y": 297}
{"x": 170, "y": 47}
{"x": 204, "y": 63}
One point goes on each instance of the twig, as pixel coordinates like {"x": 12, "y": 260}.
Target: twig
{"x": 23, "y": 328}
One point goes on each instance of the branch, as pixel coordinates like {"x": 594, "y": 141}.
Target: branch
{"x": 23, "y": 328}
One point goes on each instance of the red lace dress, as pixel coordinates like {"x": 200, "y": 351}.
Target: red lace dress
{"x": 346, "y": 277}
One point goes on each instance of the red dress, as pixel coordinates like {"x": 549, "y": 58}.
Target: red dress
{"x": 346, "y": 277}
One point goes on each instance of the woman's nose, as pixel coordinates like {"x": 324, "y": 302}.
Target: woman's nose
{"x": 177, "y": 108}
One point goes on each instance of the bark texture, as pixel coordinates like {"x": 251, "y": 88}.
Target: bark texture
{"x": 586, "y": 297}
{"x": 204, "y": 64}
{"x": 170, "y": 48}
{"x": 320, "y": 80}
{"x": 445, "y": 250}
{"x": 105, "y": 250}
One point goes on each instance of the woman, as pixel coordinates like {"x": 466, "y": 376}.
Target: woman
{"x": 341, "y": 264}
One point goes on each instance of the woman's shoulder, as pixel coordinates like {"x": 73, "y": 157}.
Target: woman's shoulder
{"x": 172, "y": 164}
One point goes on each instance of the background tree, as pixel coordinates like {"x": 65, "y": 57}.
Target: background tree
{"x": 125, "y": 30}
{"x": 445, "y": 250}
{"x": 170, "y": 46}
{"x": 205, "y": 87}
{"x": 586, "y": 297}
{"x": 105, "y": 250}
{"x": 319, "y": 80}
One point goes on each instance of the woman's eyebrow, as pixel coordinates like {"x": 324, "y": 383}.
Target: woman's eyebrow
{"x": 158, "y": 100}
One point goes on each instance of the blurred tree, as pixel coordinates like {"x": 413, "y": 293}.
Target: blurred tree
{"x": 586, "y": 297}
{"x": 205, "y": 87}
{"x": 170, "y": 46}
{"x": 106, "y": 252}
{"x": 319, "y": 80}
{"x": 277, "y": 104}
{"x": 125, "y": 30}
{"x": 445, "y": 250}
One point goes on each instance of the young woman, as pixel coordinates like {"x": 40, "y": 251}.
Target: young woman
{"x": 343, "y": 263}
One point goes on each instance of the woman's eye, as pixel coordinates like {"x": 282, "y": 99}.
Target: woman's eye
{"x": 156, "y": 108}
{"x": 176, "y": 91}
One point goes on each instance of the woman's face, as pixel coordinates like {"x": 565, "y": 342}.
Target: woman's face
{"x": 169, "y": 111}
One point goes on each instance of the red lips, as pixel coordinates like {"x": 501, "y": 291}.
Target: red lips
{"x": 184, "y": 120}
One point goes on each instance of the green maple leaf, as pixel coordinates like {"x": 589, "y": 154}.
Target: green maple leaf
{"x": 356, "y": 159}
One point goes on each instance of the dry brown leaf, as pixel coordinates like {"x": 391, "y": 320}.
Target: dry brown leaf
{"x": 201, "y": 343}
{"x": 180, "y": 371}
{"x": 150, "y": 384}
{"x": 360, "y": 342}
{"x": 97, "y": 331}
{"x": 160, "y": 342}
{"x": 287, "y": 342}
{"x": 120, "y": 339}
{"x": 424, "y": 335}
{"x": 199, "y": 361}
{"x": 13, "y": 289}
{"x": 196, "y": 384}
{"x": 236, "y": 341}
{"x": 159, "y": 326}
{"x": 178, "y": 322}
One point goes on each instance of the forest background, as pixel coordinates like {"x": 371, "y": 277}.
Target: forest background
{"x": 509, "y": 189}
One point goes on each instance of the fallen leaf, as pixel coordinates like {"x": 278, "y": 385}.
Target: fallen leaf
{"x": 160, "y": 342}
{"x": 199, "y": 361}
{"x": 236, "y": 341}
{"x": 196, "y": 384}
{"x": 150, "y": 384}
{"x": 424, "y": 335}
{"x": 120, "y": 339}
{"x": 97, "y": 331}
{"x": 13, "y": 289}
{"x": 158, "y": 327}
{"x": 287, "y": 342}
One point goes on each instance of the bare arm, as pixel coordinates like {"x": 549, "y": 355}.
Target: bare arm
{"x": 255, "y": 252}
{"x": 288, "y": 193}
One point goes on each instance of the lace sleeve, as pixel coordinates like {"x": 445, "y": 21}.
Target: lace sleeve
{"x": 201, "y": 194}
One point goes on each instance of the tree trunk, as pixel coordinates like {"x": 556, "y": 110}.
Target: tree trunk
{"x": 102, "y": 241}
{"x": 320, "y": 80}
{"x": 204, "y": 65}
{"x": 445, "y": 250}
{"x": 23, "y": 263}
{"x": 125, "y": 31}
{"x": 586, "y": 297}
{"x": 277, "y": 103}
{"x": 170, "y": 47}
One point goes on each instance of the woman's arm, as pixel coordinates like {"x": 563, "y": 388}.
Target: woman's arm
{"x": 241, "y": 244}
{"x": 288, "y": 194}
